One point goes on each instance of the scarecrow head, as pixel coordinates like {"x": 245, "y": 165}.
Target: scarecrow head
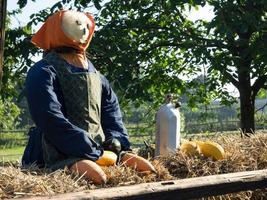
{"x": 76, "y": 26}
{"x": 66, "y": 28}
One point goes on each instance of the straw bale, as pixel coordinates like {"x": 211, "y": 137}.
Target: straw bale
{"x": 242, "y": 154}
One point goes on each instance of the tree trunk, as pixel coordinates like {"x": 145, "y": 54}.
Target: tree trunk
{"x": 3, "y": 4}
{"x": 247, "y": 96}
{"x": 247, "y": 104}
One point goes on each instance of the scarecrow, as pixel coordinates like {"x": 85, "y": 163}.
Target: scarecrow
{"x": 76, "y": 112}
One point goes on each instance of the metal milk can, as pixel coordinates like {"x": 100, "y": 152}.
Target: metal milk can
{"x": 168, "y": 128}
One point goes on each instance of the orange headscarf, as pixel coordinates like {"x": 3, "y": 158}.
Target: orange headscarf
{"x": 51, "y": 36}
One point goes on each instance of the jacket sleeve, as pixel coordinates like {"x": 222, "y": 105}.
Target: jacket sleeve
{"x": 42, "y": 91}
{"x": 111, "y": 117}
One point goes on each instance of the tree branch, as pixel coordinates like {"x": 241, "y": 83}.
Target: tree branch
{"x": 169, "y": 44}
{"x": 261, "y": 108}
{"x": 230, "y": 78}
{"x": 188, "y": 44}
{"x": 259, "y": 83}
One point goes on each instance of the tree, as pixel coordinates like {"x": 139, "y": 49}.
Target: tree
{"x": 242, "y": 57}
{"x": 150, "y": 48}
{"x": 157, "y": 42}
{"x": 17, "y": 54}
{"x": 17, "y": 58}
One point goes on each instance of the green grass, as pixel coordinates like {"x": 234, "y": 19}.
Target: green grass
{"x": 15, "y": 150}
{"x": 11, "y": 154}
{"x": 139, "y": 141}
{"x": 141, "y": 129}
{"x": 11, "y": 140}
{"x": 12, "y": 145}
{"x": 139, "y": 134}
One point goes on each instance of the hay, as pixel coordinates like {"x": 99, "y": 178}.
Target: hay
{"x": 16, "y": 182}
{"x": 242, "y": 154}
{"x": 120, "y": 175}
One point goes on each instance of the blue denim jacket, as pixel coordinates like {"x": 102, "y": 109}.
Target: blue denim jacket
{"x": 46, "y": 105}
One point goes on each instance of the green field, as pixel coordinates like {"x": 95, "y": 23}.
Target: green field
{"x": 11, "y": 154}
{"x": 12, "y": 139}
{"x": 12, "y": 145}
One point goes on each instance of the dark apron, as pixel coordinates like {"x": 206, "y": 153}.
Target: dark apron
{"x": 82, "y": 97}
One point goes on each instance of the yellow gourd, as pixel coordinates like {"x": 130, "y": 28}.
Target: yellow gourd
{"x": 211, "y": 149}
{"x": 107, "y": 159}
{"x": 190, "y": 148}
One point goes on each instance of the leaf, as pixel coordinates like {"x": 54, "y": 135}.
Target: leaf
{"x": 57, "y": 6}
{"x": 262, "y": 94}
{"x": 243, "y": 28}
{"x": 97, "y": 4}
{"x": 22, "y": 3}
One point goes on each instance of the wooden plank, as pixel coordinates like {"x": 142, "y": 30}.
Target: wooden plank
{"x": 3, "y": 4}
{"x": 176, "y": 189}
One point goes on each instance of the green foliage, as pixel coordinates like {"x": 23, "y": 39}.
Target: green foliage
{"x": 262, "y": 94}
{"x": 17, "y": 60}
{"x": 150, "y": 48}
{"x": 132, "y": 48}
{"x": 139, "y": 119}
{"x": 9, "y": 113}
{"x": 18, "y": 52}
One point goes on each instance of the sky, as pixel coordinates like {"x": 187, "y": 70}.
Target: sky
{"x": 33, "y": 7}
{"x": 205, "y": 13}
{"x": 30, "y": 8}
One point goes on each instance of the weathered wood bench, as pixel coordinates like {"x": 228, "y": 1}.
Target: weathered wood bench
{"x": 177, "y": 189}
